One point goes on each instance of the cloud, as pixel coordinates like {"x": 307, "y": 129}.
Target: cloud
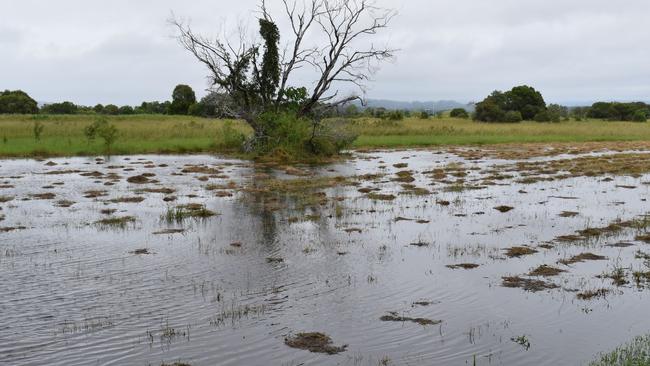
{"x": 123, "y": 51}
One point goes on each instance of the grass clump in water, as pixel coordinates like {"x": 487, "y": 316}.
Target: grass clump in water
{"x": 116, "y": 221}
{"x": 314, "y": 342}
{"x": 190, "y": 210}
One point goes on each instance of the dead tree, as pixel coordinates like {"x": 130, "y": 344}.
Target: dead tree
{"x": 343, "y": 53}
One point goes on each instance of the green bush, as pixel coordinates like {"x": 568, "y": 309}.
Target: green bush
{"x": 512, "y": 117}
{"x": 640, "y": 116}
{"x": 232, "y": 138}
{"x": 459, "y": 113}
{"x": 543, "y": 116}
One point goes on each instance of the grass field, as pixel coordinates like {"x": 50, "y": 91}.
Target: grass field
{"x": 63, "y": 135}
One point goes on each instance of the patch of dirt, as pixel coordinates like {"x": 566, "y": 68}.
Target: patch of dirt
{"x": 463, "y": 266}
{"x": 381, "y": 197}
{"x": 169, "y": 231}
{"x": 546, "y": 271}
{"x": 314, "y": 342}
{"x": 134, "y": 199}
{"x": 569, "y": 214}
{"x": 64, "y": 203}
{"x": 13, "y": 228}
{"x": 43, "y": 196}
{"x": 139, "y": 179}
{"x": 143, "y": 251}
{"x": 527, "y": 284}
{"x": 504, "y": 209}
{"x": 95, "y": 194}
{"x": 516, "y": 252}
{"x": 582, "y": 258}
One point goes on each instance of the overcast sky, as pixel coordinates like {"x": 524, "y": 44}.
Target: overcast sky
{"x": 124, "y": 52}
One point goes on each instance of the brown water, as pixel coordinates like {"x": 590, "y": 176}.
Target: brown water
{"x": 73, "y": 293}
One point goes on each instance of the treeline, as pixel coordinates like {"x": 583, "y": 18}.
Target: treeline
{"x": 183, "y": 103}
{"x": 525, "y": 103}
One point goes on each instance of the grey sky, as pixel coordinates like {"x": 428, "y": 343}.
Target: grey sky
{"x": 123, "y": 51}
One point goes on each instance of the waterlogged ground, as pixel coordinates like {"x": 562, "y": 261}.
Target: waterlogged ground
{"x": 401, "y": 258}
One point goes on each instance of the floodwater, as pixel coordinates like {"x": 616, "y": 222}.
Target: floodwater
{"x": 229, "y": 288}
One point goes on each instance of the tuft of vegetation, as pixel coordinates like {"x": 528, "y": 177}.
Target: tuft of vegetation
{"x": 634, "y": 353}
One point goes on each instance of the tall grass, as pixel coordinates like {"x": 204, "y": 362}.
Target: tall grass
{"x": 635, "y": 353}
{"x": 63, "y": 135}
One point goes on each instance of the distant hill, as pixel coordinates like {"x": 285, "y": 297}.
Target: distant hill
{"x": 435, "y": 106}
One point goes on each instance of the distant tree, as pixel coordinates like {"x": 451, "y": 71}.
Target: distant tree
{"x": 424, "y": 115}
{"x": 60, "y": 108}
{"x": 523, "y": 99}
{"x": 182, "y": 98}
{"x": 459, "y": 113}
{"x": 153, "y": 108}
{"x": 127, "y": 109}
{"x": 615, "y": 111}
{"x": 98, "y": 108}
{"x": 111, "y": 109}
{"x": 526, "y": 100}
{"x": 351, "y": 111}
{"x": 490, "y": 109}
{"x": 18, "y": 102}
{"x": 578, "y": 113}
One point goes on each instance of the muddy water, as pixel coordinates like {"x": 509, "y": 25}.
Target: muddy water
{"x": 75, "y": 293}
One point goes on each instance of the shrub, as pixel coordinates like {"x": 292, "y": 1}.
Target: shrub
{"x": 512, "y": 117}
{"x": 543, "y": 116}
{"x": 459, "y": 113}
{"x": 640, "y": 116}
{"x": 489, "y": 111}
{"x": 232, "y": 139}
{"x": 38, "y": 130}
{"x": 104, "y": 130}
{"x": 424, "y": 115}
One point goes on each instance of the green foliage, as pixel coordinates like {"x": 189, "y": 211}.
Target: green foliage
{"x": 523, "y": 99}
{"x": 232, "y": 137}
{"x": 458, "y": 113}
{"x": 60, "y": 108}
{"x": 395, "y": 115}
{"x": 38, "y": 130}
{"x": 17, "y": 102}
{"x": 182, "y": 98}
{"x": 543, "y": 116}
{"x": 615, "y": 111}
{"x": 557, "y": 112}
{"x": 512, "y": 117}
{"x": 153, "y": 108}
{"x": 98, "y": 108}
{"x": 269, "y": 78}
{"x": 127, "y": 109}
{"x": 424, "y": 115}
{"x": 111, "y": 109}
{"x": 635, "y": 353}
{"x": 106, "y": 131}
{"x": 640, "y": 115}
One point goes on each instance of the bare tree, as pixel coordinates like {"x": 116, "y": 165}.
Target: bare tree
{"x": 343, "y": 54}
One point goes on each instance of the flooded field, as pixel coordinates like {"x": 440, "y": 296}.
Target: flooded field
{"x": 390, "y": 258}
